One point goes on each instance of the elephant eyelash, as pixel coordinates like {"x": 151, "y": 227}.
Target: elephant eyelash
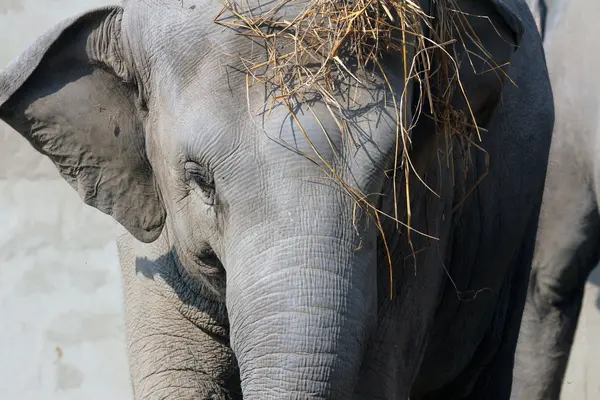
{"x": 199, "y": 176}
{"x": 201, "y": 179}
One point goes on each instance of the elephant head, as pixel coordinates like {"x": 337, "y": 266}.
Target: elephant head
{"x": 146, "y": 115}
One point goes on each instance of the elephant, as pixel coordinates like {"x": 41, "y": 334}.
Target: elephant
{"x": 539, "y": 9}
{"x": 567, "y": 239}
{"x": 250, "y": 271}
{"x": 547, "y": 13}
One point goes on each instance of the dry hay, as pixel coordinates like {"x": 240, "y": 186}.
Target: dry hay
{"x": 330, "y": 39}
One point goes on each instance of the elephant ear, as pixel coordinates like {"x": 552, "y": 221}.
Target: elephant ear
{"x": 511, "y": 18}
{"x": 71, "y": 95}
{"x": 489, "y": 32}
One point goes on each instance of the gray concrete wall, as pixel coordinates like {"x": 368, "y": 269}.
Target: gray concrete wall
{"x": 61, "y": 327}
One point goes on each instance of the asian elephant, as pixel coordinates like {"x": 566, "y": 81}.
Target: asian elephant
{"x": 247, "y": 269}
{"x": 567, "y": 248}
{"x": 539, "y": 10}
{"x": 547, "y": 13}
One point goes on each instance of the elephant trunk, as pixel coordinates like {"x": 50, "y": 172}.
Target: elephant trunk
{"x": 302, "y": 304}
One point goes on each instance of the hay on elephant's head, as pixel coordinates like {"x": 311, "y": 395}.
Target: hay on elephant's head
{"x": 332, "y": 38}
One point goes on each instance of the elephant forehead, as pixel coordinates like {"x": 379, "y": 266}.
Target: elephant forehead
{"x": 206, "y": 108}
{"x": 215, "y": 131}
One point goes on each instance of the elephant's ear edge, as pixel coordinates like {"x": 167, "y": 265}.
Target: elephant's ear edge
{"x": 14, "y": 75}
{"x": 512, "y": 19}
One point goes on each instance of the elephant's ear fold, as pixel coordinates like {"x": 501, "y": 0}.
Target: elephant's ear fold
{"x": 71, "y": 95}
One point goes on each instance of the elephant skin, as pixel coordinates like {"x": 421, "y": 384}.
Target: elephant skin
{"x": 569, "y": 228}
{"x": 247, "y": 270}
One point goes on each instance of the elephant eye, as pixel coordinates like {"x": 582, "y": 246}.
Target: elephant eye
{"x": 199, "y": 177}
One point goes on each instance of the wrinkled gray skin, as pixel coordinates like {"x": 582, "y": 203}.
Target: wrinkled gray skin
{"x": 569, "y": 232}
{"x": 244, "y": 266}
